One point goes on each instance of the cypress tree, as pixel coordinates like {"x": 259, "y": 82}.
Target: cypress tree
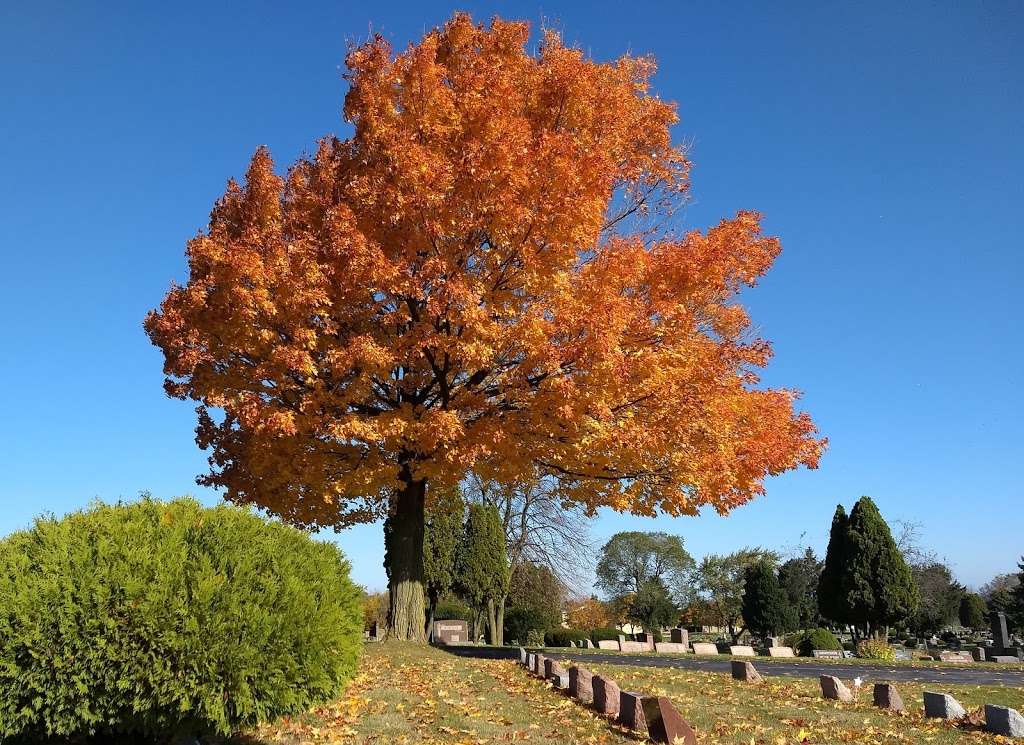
{"x": 441, "y": 538}
{"x": 766, "y": 608}
{"x": 483, "y": 571}
{"x": 878, "y": 584}
{"x": 832, "y": 602}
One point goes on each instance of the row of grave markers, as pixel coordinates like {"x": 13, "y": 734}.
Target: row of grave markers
{"x": 680, "y": 644}
{"x": 1000, "y": 720}
{"x": 654, "y": 715}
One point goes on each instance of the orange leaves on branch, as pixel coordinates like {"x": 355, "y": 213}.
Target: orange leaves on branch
{"x": 479, "y": 279}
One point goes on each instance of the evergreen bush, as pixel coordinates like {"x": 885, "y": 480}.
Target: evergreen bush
{"x": 817, "y": 639}
{"x": 152, "y": 619}
{"x": 603, "y": 635}
{"x": 562, "y": 637}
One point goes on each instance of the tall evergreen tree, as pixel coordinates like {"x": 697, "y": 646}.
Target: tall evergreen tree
{"x": 973, "y": 611}
{"x": 799, "y": 580}
{"x": 877, "y": 583}
{"x": 483, "y": 571}
{"x": 441, "y": 539}
{"x": 766, "y": 608}
{"x": 831, "y": 596}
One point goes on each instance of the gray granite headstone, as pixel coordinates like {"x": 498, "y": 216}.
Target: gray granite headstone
{"x": 522, "y": 656}
{"x": 680, "y": 636}
{"x": 745, "y": 671}
{"x": 887, "y": 697}
{"x": 1000, "y": 636}
{"x": 942, "y": 706}
{"x": 1002, "y": 720}
{"x": 665, "y": 724}
{"x": 833, "y": 688}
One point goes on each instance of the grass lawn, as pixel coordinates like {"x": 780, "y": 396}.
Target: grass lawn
{"x": 786, "y": 710}
{"x": 416, "y": 694}
{"x": 407, "y": 693}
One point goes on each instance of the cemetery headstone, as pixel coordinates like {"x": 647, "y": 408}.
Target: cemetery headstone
{"x": 739, "y": 650}
{"x": 772, "y": 641}
{"x": 704, "y": 648}
{"x": 680, "y": 636}
{"x": 827, "y": 654}
{"x": 833, "y": 689}
{"x": 745, "y": 671}
{"x": 588, "y": 644}
{"x": 648, "y": 641}
{"x": 887, "y": 697}
{"x": 942, "y": 706}
{"x": 631, "y": 711}
{"x": 1002, "y": 720}
{"x": 554, "y": 671}
{"x": 538, "y": 665}
{"x": 522, "y": 656}
{"x": 530, "y": 657}
{"x": 669, "y": 648}
{"x": 608, "y": 644}
{"x": 451, "y": 632}
{"x": 951, "y": 656}
{"x": 978, "y": 653}
{"x": 781, "y": 652}
{"x": 1000, "y": 636}
{"x": 628, "y": 646}
{"x": 606, "y": 696}
{"x": 1005, "y": 659}
{"x": 665, "y": 724}
{"x": 580, "y": 684}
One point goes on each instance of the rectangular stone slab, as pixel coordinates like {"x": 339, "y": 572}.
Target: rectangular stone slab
{"x": 942, "y": 706}
{"x": 670, "y": 648}
{"x": 608, "y": 644}
{"x": 956, "y": 656}
{"x": 680, "y": 636}
{"x": 628, "y": 646}
{"x": 704, "y": 648}
{"x": 631, "y": 711}
{"x": 745, "y": 671}
{"x": 606, "y": 696}
{"x": 739, "y": 650}
{"x": 1004, "y": 721}
{"x": 581, "y": 685}
{"x": 827, "y": 654}
{"x": 780, "y": 652}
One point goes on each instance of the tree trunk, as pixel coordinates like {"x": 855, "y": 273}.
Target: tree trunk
{"x": 406, "y": 614}
{"x": 501, "y": 622}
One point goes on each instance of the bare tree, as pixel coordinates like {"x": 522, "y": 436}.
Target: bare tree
{"x": 540, "y": 527}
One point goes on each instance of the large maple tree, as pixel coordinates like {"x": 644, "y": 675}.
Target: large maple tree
{"x": 486, "y": 276}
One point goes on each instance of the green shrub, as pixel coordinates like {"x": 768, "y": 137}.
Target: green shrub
{"x": 817, "y": 639}
{"x": 521, "y": 622}
{"x": 535, "y": 638}
{"x": 875, "y": 649}
{"x": 153, "y": 618}
{"x": 910, "y": 644}
{"x": 603, "y": 635}
{"x": 562, "y": 637}
{"x": 452, "y": 610}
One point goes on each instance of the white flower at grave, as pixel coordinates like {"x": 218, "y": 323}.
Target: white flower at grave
{"x": 857, "y": 682}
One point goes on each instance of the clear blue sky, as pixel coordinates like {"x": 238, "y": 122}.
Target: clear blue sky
{"x": 884, "y": 146}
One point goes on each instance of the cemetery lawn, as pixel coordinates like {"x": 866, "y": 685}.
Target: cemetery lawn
{"x": 784, "y": 711}
{"x": 408, "y": 693}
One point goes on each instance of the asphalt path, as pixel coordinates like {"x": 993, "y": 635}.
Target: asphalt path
{"x": 986, "y": 674}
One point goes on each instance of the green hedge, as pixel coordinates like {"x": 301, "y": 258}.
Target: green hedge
{"x": 603, "y": 635}
{"x": 154, "y": 618}
{"x": 562, "y": 637}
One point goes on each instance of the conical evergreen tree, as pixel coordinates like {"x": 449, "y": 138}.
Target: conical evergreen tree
{"x": 441, "y": 538}
{"x": 832, "y": 601}
{"x": 482, "y": 568}
{"x": 766, "y": 608}
{"x": 878, "y": 584}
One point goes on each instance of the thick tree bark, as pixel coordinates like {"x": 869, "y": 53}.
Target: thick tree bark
{"x": 496, "y": 622}
{"x": 406, "y": 613}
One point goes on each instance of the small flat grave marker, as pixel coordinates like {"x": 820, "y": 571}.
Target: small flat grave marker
{"x": 780, "y": 652}
{"x": 942, "y": 706}
{"x": 608, "y": 644}
{"x": 669, "y": 648}
{"x": 1004, "y": 721}
{"x": 740, "y": 650}
{"x": 827, "y": 654}
{"x": 745, "y": 671}
{"x": 887, "y": 697}
{"x": 833, "y": 689}
{"x": 704, "y": 648}
{"x": 628, "y": 646}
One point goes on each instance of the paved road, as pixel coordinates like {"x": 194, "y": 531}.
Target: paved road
{"x": 990, "y": 674}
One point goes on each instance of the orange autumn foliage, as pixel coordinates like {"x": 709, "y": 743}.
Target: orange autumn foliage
{"x": 481, "y": 277}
